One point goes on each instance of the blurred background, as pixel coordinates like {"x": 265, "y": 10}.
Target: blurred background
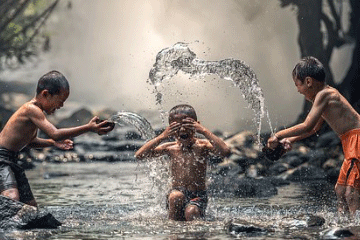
{"x": 106, "y": 49}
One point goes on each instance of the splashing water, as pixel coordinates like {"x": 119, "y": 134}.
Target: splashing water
{"x": 139, "y": 122}
{"x": 170, "y": 61}
{"x": 157, "y": 168}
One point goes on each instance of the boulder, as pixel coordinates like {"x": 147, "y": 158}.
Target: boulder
{"x": 245, "y": 229}
{"x": 17, "y": 215}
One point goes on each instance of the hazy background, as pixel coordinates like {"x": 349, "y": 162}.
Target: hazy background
{"x": 106, "y": 48}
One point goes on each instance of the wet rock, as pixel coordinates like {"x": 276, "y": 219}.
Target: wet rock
{"x": 244, "y": 229}
{"x": 49, "y": 175}
{"x": 17, "y": 215}
{"x": 241, "y": 187}
{"x": 337, "y": 233}
{"x": 328, "y": 140}
{"x": 278, "y": 168}
{"x": 304, "y": 172}
{"x": 79, "y": 117}
{"x": 317, "y": 157}
{"x": 314, "y": 221}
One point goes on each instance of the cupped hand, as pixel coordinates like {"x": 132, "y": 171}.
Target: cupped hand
{"x": 64, "y": 144}
{"x": 272, "y": 142}
{"x": 286, "y": 143}
{"x": 171, "y": 130}
{"x": 193, "y": 125}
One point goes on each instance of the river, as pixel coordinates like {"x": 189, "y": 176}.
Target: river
{"x": 102, "y": 200}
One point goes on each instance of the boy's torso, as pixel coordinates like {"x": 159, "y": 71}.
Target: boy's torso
{"x": 339, "y": 114}
{"x": 19, "y": 131}
{"x": 188, "y": 166}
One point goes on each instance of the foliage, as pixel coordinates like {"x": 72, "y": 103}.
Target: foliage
{"x": 21, "y": 23}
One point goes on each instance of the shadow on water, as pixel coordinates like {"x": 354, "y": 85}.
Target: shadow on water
{"x": 117, "y": 201}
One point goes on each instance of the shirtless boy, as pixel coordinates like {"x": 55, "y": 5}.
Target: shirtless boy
{"x": 21, "y": 131}
{"x": 188, "y": 155}
{"x": 331, "y": 106}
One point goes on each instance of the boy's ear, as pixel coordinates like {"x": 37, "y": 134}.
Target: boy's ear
{"x": 44, "y": 93}
{"x": 309, "y": 81}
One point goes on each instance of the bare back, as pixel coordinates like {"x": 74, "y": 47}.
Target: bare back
{"x": 19, "y": 131}
{"x": 188, "y": 166}
{"x": 338, "y": 113}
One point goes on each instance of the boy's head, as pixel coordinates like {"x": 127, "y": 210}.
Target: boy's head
{"x": 309, "y": 67}
{"x": 178, "y": 114}
{"x": 54, "y": 82}
{"x": 182, "y": 109}
{"x": 52, "y": 91}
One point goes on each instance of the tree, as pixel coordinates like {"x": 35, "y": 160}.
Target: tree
{"x": 321, "y": 30}
{"x": 20, "y": 29}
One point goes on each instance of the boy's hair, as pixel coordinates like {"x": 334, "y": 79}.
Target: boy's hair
{"x": 309, "y": 67}
{"x": 52, "y": 81}
{"x": 182, "y": 109}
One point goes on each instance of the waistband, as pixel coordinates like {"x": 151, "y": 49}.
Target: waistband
{"x": 8, "y": 153}
{"x": 349, "y": 133}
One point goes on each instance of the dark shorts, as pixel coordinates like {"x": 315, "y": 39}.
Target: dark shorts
{"x": 13, "y": 176}
{"x": 197, "y": 198}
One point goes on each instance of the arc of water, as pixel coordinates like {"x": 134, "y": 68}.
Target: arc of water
{"x": 179, "y": 57}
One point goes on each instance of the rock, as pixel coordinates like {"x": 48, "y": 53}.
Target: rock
{"x": 17, "y": 215}
{"x": 244, "y": 229}
{"x": 278, "y": 168}
{"x": 328, "y": 140}
{"x": 317, "y": 157}
{"x": 337, "y": 233}
{"x": 80, "y": 117}
{"x": 304, "y": 172}
{"x": 314, "y": 221}
{"x": 241, "y": 187}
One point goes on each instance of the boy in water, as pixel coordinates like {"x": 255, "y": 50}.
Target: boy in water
{"x": 331, "y": 106}
{"x": 21, "y": 131}
{"x": 187, "y": 199}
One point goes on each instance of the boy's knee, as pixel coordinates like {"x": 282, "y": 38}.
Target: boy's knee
{"x": 340, "y": 190}
{"x": 176, "y": 197}
{"x": 11, "y": 193}
{"x": 192, "y": 212}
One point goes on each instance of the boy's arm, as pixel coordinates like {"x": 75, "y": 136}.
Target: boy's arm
{"x": 305, "y": 135}
{"x": 152, "y": 148}
{"x": 39, "y": 119}
{"x": 42, "y": 143}
{"x": 218, "y": 146}
{"x": 306, "y": 128}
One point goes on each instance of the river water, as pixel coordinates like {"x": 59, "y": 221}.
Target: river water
{"x": 118, "y": 201}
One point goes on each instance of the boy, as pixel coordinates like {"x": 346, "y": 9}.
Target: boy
{"x": 331, "y": 106}
{"x": 188, "y": 155}
{"x": 21, "y": 131}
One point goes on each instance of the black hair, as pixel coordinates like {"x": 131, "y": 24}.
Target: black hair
{"x": 309, "y": 67}
{"x": 52, "y": 81}
{"x": 182, "y": 109}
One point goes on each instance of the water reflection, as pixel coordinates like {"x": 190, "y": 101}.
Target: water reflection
{"x": 116, "y": 201}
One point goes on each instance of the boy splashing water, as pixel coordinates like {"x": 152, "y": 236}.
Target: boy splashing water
{"x": 21, "y": 131}
{"x": 188, "y": 155}
{"x": 331, "y": 106}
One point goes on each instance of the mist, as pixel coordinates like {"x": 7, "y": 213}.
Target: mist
{"x": 106, "y": 49}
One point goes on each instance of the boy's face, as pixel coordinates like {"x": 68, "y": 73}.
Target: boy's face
{"x": 302, "y": 87}
{"x": 184, "y": 133}
{"x": 55, "y": 101}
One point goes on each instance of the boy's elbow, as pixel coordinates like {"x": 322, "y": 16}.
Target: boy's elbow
{"x": 138, "y": 155}
{"x": 227, "y": 152}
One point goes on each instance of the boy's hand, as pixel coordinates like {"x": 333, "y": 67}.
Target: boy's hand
{"x": 171, "y": 129}
{"x": 286, "y": 143}
{"x": 273, "y": 142}
{"x": 193, "y": 125}
{"x": 101, "y": 127}
{"x": 64, "y": 144}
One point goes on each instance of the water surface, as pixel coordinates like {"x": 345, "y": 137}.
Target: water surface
{"x": 118, "y": 201}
